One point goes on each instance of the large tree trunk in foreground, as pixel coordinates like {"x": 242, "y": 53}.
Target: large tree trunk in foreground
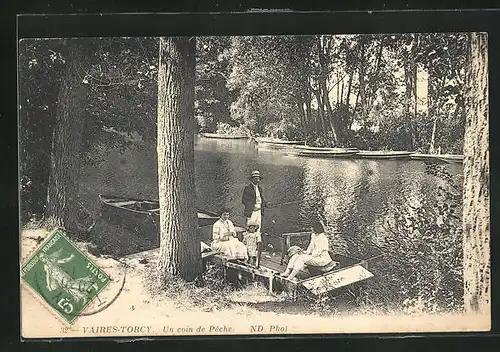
{"x": 476, "y": 215}
{"x": 179, "y": 245}
{"x": 62, "y": 193}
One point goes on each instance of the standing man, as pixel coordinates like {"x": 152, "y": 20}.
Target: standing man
{"x": 253, "y": 200}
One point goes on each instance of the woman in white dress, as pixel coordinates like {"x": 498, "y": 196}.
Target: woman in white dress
{"x": 315, "y": 256}
{"x": 225, "y": 240}
{"x": 317, "y": 251}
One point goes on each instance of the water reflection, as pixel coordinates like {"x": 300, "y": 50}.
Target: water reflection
{"x": 221, "y": 177}
{"x": 332, "y": 195}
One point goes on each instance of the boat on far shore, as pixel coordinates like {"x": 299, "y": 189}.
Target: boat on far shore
{"x": 329, "y": 153}
{"x": 368, "y": 154}
{"x": 276, "y": 141}
{"x": 326, "y": 149}
{"x": 276, "y": 144}
{"x": 448, "y": 158}
{"x": 223, "y": 136}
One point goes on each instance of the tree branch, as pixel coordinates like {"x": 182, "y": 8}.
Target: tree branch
{"x": 336, "y": 83}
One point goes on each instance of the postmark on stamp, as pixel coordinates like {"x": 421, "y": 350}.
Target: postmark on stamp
{"x": 64, "y": 277}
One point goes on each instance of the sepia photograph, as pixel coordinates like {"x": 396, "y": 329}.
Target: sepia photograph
{"x": 254, "y": 185}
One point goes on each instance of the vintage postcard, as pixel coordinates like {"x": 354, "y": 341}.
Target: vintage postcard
{"x": 254, "y": 185}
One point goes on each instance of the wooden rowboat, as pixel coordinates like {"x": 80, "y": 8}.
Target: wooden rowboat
{"x": 367, "y": 154}
{"x": 347, "y": 270}
{"x": 223, "y": 136}
{"x": 148, "y": 208}
{"x": 277, "y": 142}
{"x": 337, "y": 153}
{"x": 143, "y": 217}
{"x": 306, "y": 147}
{"x": 448, "y": 158}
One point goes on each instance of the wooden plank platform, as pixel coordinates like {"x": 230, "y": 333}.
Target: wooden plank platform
{"x": 347, "y": 271}
{"x": 272, "y": 261}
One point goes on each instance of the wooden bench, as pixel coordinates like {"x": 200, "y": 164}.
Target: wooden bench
{"x": 286, "y": 240}
{"x": 208, "y": 254}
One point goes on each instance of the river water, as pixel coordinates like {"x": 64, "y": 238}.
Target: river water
{"x": 371, "y": 207}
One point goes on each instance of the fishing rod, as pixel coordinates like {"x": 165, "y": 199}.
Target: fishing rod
{"x": 276, "y": 205}
{"x": 379, "y": 249}
{"x": 375, "y": 257}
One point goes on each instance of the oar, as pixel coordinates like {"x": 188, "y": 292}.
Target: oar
{"x": 275, "y": 205}
{"x": 375, "y": 257}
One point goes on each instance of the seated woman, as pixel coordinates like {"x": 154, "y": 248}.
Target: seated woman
{"x": 225, "y": 240}
{"x": 296, "y": 267}
{"x": 318, "y": 258}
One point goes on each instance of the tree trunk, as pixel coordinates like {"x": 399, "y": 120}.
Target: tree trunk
{"x": 356, "y": 103}
{"x": 309, "y": 111}
{"x": 320, "y": 116}
{"x": 458, "y": 116}
{"x": 362, "y": 87}
{"x": 62, "y": 193}
{"x": 337, "y": 102}
{"x": 433, "y": 136}
{"x": 374, "y": 84}
{"x": 476, "y": 216}
{"x": 348, "y": 97}
{"x": 179, "y": 245}
{"x": 407, "y": 104}
{"x": 341, "y": 101}
{"x": 302, "y": 115}
{"x": 437, "y": 111}
{"x": 414, "y": 74}
{"x": 431, "y": 107}
{"x": 330, "y": 116}
{"x": 408, "y": 90}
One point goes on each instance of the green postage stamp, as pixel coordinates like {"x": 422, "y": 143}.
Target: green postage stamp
{"x": 63, "y": 276}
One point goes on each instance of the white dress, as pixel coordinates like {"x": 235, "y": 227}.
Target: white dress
{"x": 317, "y": 251}
{"x": 231, "y": 247}
{"x": 250, "y": 240}
{"x": 298, "y": 263}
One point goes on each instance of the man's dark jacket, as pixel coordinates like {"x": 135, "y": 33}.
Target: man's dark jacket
{"x": 248, "y": 199}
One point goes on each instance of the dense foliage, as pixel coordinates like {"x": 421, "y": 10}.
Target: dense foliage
{"x": 369, "y": 91}
{"x": 433, "y": 253}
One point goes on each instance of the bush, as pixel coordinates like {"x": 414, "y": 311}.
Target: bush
{"x": 224, "y": 128}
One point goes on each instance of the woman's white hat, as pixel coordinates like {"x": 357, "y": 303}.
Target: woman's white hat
{"x": 294, "y": 250}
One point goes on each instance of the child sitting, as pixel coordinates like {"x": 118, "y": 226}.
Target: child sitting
{"x": 252, "y": 239}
